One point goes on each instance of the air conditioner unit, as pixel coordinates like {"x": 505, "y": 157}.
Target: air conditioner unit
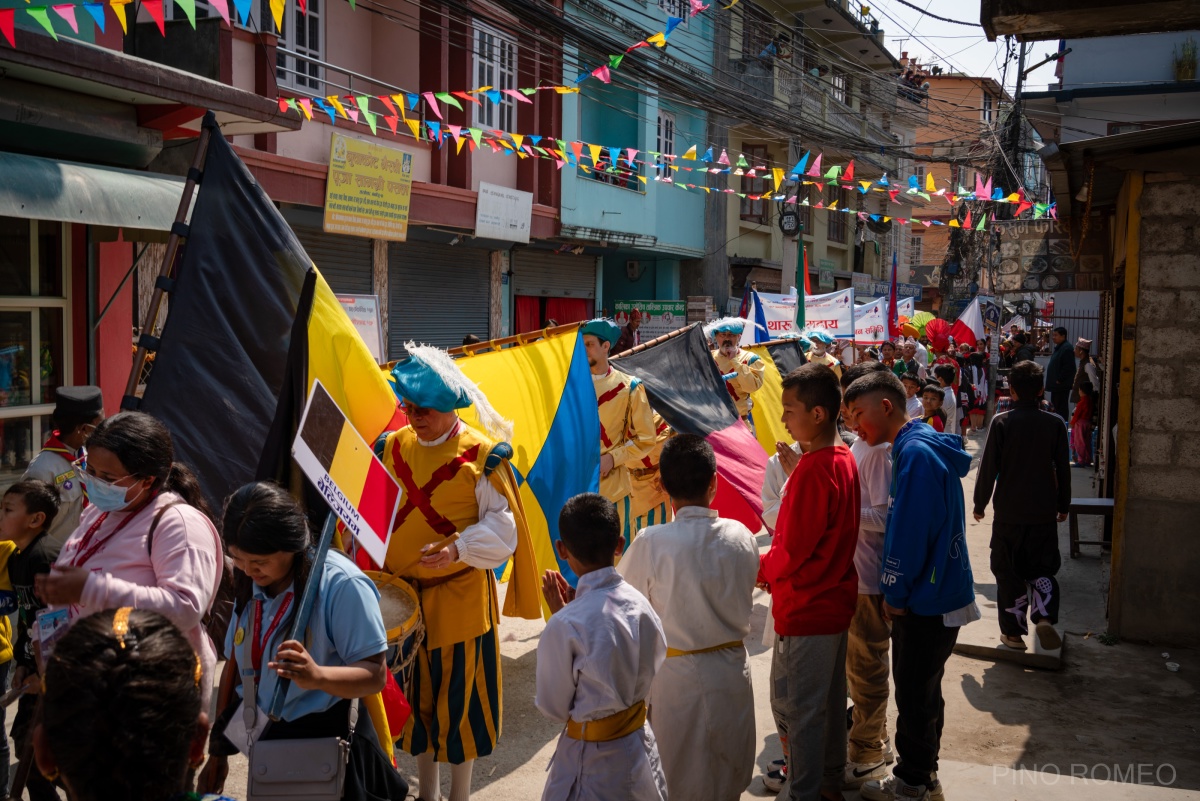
{"x": 633, "y": 269}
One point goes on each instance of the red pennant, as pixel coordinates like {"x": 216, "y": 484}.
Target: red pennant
{"x": 8, "y": 25}
{"x": 304, "y": 7}
{"x": 967, "y": 222}
{"x": 155, "y": 9}
{"x": 391, "y": 122}
{"x": 848, "y": 175}
{"x": 283, "y": 105}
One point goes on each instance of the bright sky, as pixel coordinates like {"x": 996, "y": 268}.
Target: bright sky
{"x": 957, "y": 48}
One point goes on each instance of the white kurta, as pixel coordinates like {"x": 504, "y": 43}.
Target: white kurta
{"x": 698, "y": 573}
{"x": 597, "y": 656}
{"x": 874, "y": 464}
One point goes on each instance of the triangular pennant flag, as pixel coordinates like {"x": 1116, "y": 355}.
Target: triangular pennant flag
{"x": 954, "y": 224}
{"x": 392, "y": 120}
{"x": 593, "y": 149}
{"x": 492, "y": 95}
{"x": 697, "y": 7}
{"x": 690, "y": 155}
{"x": 328, "y": 109}
{"x": 602, "y": 73}
{"x": 707, "y": 157}
{"x": 658, "y": 40}
{"x": 930, "y": 184}
{"x": 777, "y": 174}
{"x": 967, "y": 221}
{"x": 724, "y": 159}
{"x": 411, "y": 98}
{"x": 155, "y": 9}
{"x": 672, "y": 24}
{"x": 980, "y": 226}
{"x": 43, "y": 18}
{"x": 336, "y": 103}
{"x": 432, "y": 103}
{"x": 518, "y": 139}
{"x": 449, "y": 100}
{"x": 980, "y": 192}
{"x": 798, "y": 170}
{"x": 415, "y": 127}
{"x": 518, "y": 95}
{"x": 370, "y": 116}
{"x": 848, "y": 175}
{"x": 865, "y": 185}
{"x": 353, "y": 112}
{"x": 470, "y": 98}
{"x": 831, "y": 175}
{"x": 291, "y": 103}
{"x": 363, "y": 102}
{"x": 277, "y": 13}
{"x": 630, "y": 153}
{"x": 8, "y": 25}
{"x": 475, "y": 135}
{"x": 815, "y": 169}
{"x": 615, "y": 61}
{"x": 833, "y": 205}
{"x": 435, "y": 131}
{"x": 962, "y": 191}
{"x": 222, "y": 7}
{"x": 892, "y": 193}
{"x": 614, "y": 155}
{"x": 242, "y": 7}
{"x": 387, "y": 103}
{"x": 67, "y": 12}
{"x": 884, "y": 180}
{"x": 189, "y": 10}
{"x": 284, "y": 104}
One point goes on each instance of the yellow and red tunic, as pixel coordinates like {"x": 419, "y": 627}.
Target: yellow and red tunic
{"x": 748, "y": 378}
{"x": 627, "y": 433}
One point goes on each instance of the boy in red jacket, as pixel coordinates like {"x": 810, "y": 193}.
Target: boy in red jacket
{"x": 810, "y": 573}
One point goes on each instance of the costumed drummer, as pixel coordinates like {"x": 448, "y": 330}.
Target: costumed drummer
{"x": 742, "y": 370}
{"x": 627, "y": 431}
{"x": 77, "y": 410}
{"x": 460, "y": 518}
{"x": 338, "y": 660}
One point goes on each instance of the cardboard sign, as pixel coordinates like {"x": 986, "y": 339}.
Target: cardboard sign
{"x": 363, "y": 311}
{"x": 344, "y": 469}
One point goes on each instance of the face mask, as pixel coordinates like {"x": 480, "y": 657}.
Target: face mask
{"x": 104, "y": 495}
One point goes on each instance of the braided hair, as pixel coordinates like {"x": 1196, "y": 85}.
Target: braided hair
{"x": 121, "y": 706}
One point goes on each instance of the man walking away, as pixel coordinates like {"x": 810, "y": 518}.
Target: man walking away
{"x": 1026, "y": 459}
{"x": 1060, "y": 374}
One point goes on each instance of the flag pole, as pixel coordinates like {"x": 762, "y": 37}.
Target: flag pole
{"x": 801, "y": 278}
{"x": 147, "y": 341}
{"x": 308, "y": 599}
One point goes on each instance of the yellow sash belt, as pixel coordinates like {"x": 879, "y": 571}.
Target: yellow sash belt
{"x": 722, "y": 647}
{"x": 613, "y": 727}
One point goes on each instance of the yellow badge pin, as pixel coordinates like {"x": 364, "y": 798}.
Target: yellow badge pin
{"x": 239, "y": 635}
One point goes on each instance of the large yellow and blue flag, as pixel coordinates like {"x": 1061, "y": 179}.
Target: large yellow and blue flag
{"x": 545, "y": 389}
{"x": 779, "y": 359}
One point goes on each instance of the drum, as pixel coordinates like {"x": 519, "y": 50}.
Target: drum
{"x": 401, "y": 608}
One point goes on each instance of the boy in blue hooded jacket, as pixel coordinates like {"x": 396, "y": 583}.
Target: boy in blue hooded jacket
{"x": 927, "y": 587}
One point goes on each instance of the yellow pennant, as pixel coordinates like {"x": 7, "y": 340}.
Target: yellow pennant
{"x": 415, "y": 127}
{"x": 930, "y": 185}
{"x": 333, "y": 101}
{"x": 690, "y": 155}
{"x": 118, "y": 7}
{"x": 277, "y": 13}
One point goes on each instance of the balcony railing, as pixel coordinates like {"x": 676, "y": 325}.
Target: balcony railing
{"x": 754, "y": 77}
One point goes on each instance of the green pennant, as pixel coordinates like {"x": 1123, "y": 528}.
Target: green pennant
{"x": 529, "y": 92}
{"x": 292, "y": 105}
{"x": 39, "y": 13}
{"x": 364, "y": 102}
{"x": 370, "y": 119}
{"x": 475, "y": 135}
{"x": 615, "y": 61}
{"x": 448, "y": 99}
{"x": 741, "y": 162}
{"x": 189, "y": 8}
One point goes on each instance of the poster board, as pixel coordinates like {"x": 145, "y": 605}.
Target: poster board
{"x": 659, "y": 317}
{"x": 368, "y": 190}
{"x": 363, "y": 311}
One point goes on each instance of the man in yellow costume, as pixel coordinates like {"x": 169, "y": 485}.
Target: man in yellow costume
{"x": 741, "y": 369}
{"x": 821, "y": 343}
{"x": 460, "y": 517}
{"x": 627, "y": 432}
{"x": 649, "y": 502}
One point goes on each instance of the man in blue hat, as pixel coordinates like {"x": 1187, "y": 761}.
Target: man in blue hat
{"x": 460, "y": 519}
{"x": 77, "y": 411}
{"x": 627, "y": 431}
{"x": 742, "y": 369}
{"x": 821, "y": 343}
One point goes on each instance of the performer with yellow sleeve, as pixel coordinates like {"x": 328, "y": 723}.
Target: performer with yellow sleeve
{"x": 460, "y": 517}
{"x": 627, "y": 432}
{"x": 649, "y": 502}
{"x": 741, "y": 369}
{"x": 821, "y": 343}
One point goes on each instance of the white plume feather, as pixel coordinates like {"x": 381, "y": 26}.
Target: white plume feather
{"x": 440, "y": 362}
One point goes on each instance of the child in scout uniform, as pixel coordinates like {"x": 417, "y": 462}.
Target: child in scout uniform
{"x": 596, "y": 660}
{"x": 627, "y": 432}
{"x": 77, "y": 410}
{"x": 741, "y": 369}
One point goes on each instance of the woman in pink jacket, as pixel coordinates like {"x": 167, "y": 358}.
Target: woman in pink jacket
{"x": 145, "y": 539}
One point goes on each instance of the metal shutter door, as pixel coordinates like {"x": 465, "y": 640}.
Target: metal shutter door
{"x": 345, "y": 261}
{"x": 545, "y": 274}
{"x": 437, "y": 294}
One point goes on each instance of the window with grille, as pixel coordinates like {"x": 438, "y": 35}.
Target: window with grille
{"x": 840, "y": 84}
{"x": 758, "y": 29}
{"x": 756, "y": 210}
{"x": 915, "y": 251}
{"x": 987, "y": 107}
{"x": 304, "y": 36}
{"x": 919, "y": 171}
{"x": 837, "y": 219}
{"x": 676, "y": 8}
{"x": 495, "y": 66}
{"x": 665, "y": 142}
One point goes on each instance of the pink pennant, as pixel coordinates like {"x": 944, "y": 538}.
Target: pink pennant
{"x": 429, "y": 98}
{"x": 698, "y": 7}
{"x": 67, "y": 12}
{"x": 306, "y": 104}
{"x": 559, "y": 163}
{"x": 517, "y": 93}
{"x": 456, "y": 132}
{"x": 8, "y": 25}
{"x": 602, "y": 73}
{"x": 630, "y": 153}
{"x": 724, "y": 158}
{"x": 352, "y": 111}
{"x": 815, "y": 169}
{"x": 155, "y": 9}
{"x": 222, "y": 7}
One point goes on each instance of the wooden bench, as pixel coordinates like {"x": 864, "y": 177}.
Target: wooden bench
{"x": 1086, "y": 506}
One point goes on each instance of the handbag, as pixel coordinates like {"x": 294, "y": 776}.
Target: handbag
{"x": 292, "y": 770}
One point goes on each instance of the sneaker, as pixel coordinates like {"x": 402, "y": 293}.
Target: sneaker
{"x": 1048, "y": 638}
{"x": 774, "y": 780}
{"x": 858, "y": 773}
{"x": 1015, "y": 643}
{"x": 889, "y": 756}
{"x": 892, "y": 789}
{"x": 936, "y": 793}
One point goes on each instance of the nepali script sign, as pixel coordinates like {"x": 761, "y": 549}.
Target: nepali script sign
{"x": 368, "y": 190}
{"x": 870, "y": 322}
{"x": 832, "y": 313}
{"x": 659, "y": 317}
{"x": 344, "y": 469}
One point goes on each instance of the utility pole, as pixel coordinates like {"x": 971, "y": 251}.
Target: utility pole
{"x": 1012, "y": 143}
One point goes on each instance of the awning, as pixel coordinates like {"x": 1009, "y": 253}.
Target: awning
{"x": 46, "y": 189}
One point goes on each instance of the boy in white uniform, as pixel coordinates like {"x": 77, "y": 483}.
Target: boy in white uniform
{"x": 596, "y": 661}
{"x": 698, "y": 573}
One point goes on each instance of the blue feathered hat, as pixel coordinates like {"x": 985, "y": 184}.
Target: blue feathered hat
{"x": 428, "y": 377}
{"x": 602, "y": 328}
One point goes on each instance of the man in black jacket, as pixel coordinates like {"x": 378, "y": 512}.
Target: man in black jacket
{"x": 1060, "y": 374}
{"x": 1026, "y": 460}
{"x": 1024, "y": 351}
